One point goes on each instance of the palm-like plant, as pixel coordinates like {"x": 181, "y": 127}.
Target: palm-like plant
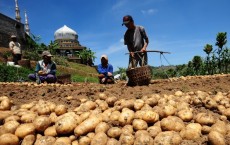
{"x": 52, "y": 47}
{"x": 208, "y": 49}
{"x": 197, "y": 63}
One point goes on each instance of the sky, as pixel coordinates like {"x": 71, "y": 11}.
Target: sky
{"x": 181, "y": 27}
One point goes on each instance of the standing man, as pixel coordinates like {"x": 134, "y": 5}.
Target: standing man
{"x": 15, "y": 48}
{"x": 136, "y": 40}
{"x": 105, "y": 71}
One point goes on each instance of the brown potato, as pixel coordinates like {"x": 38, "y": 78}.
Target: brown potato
{"x": 99, "y": 139}
{"x": 28, "y": 140}
{"x": 114, "y": 132}
{"x": 24, "y": 130}
{"x": 9, "y": 139}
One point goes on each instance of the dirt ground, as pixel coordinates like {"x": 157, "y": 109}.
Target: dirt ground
{"x": 21, "y": 93}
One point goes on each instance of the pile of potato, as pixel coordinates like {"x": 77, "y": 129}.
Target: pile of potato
{"x": 152, "y": 119}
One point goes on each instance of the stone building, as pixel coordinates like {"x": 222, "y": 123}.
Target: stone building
{"x": 69, "y": 45}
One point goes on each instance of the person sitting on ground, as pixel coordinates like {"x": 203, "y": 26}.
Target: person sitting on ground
{"x": 105, "y": 71}
{"x": 45, "y": 70}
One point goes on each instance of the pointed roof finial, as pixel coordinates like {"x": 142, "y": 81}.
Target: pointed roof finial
{"x": 17, "y": 12}
{"x": 27, "y": 29}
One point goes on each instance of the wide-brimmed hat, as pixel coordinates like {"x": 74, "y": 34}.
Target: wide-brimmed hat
{"x": 127, "y": 19}
{"x": 46, "y": 53}
{"x": 105, "y": 57}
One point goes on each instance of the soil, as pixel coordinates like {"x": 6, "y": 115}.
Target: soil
{"x": 22, "y": 93}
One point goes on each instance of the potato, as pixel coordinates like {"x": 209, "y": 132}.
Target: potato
{"x": 28, "y": 117}
{"x": 205, "y": 129}
{"x": 50, "y": 131}
{"x": 138, "y": 104}
{"x": 185, "y": 115}
{"x": 150, "y": 116}
{"x": 144, "y": 139}
{"x": 141, "y": 133}
{"x": 220, "y": 127}
{"x": 84, "y": 116}
{"x": 88, "y": 125}
{"x": 168, "y": 138}
{"x": 53, "y": 117}
{"x": 12, "y": 118}
{"x": 102, "y": 127}
{"x": 126, "y": 117}
{"x": 216, "y": 138}
{"x": 114, "y": 132}
{"x": 102, "y": 96}
{"x": 9, "y": 139}
{"x": 204, "y": 119}
{"x": 191, "y": 132}
{"x": 172, "y": 123}
{"x": 127, "y": 129}
{"x": 66, "y": 124}
{"x": 139, "y": 124}
{"x": 5, "y": 104}
{"x": 75, "y": 142}
{"x": 210, "y": 103}
{"x": 28, "y": 140}
{"x": 89, "y": 105}
{"x": 45, "y": 140}
{"x": 28, "y": 106}
{"x": 111, "y": 100}
{"x": 4, "y": 114}
{"x": 99, "y": 139}
{"x": 106, "y": 114}
{"x": 115, "y": 115}
{"x": 41, "y": 123}
{"x": 102, "y": 105}
{"x": 43, "y": 109}
{"x": 62, "y": 141}
{"x": 151, "y": 101}
{"x": 60, "y": 109}
{"x": 113, "y": 141}
{"x": 169, "y": 110}
{"x": 10, "y": 126}
{"x": 84, "y": 140}
{"x": 24, "y": 130}
{"x": 154, "y": 131}
{"x": 126, "y": 139}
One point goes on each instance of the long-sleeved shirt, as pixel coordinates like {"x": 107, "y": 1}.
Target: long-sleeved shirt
{"x": 104, "y": 70}
{"x": 50, "y": 68}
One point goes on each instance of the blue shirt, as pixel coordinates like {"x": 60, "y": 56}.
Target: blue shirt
{"x": 105, "y": 70}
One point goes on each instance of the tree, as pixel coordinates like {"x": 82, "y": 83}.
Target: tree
{"x": 52, "y": 47}
{"x": 221, "y": 40}
{"x": 87, "y": 56}
{"x": 197, "y": 64}
{"x": 208, "y": 49}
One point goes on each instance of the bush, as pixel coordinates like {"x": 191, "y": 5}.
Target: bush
{"x": 13, "y": 74}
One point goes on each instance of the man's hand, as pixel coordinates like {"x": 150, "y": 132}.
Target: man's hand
{"x": 110, "y": 74}
{"x": 103, "y": 80}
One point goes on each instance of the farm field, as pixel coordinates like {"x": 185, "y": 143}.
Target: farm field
{"x": 186, "y": 110}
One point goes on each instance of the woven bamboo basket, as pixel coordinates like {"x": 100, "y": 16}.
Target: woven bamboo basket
{"x": 64, "y": 79}
{"x": 139, "y": 75}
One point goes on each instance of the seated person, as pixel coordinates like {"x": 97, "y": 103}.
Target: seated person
{"x": 45, "y": 70}
{"x": 105, "y": 71}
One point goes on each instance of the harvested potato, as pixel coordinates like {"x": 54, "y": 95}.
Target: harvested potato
{"x": 154, "y": 131}
{"x": 139, "y": 124}
{"x": 45, "y": 140}
{"x": 114, "y": 132}
{"x": 220, "y": 127}
{"x": 113, "y": 141}
{"x": 127, "y": 129}
{"x": 102, "y": 127}
{"x": 41, "y": 123}
{"x": 126, "y": 139}
{"x": 138, "y": 104}
{"x": 50, "y": 131}
{"x": 102, "y": 105}
{"x": 144, "y": 139}
{"x": 28, "y": 140}
{"x": 172, "y": 123}
{"x": 111, "y": 100}
{"x": 66, "y": 124}
{"x": 204, "y": 119}
{"x": 88, "y": 125}
{"x": 10, "y": 126}
{"x": 99, "y": 139}
{"x": 9, "y": 139}
{"x": 216, "y": 138}
{"x": 168, "y": 138}
{"x": 115, "y": 115}
{"x": 126, "y": 117}
{"x": 24, "y": 130}
{"x": 191, "y": 132}
{"x": 84, "y": 140}
{"x": 62, "y": 141}
{"x": 60, "y": 109}
{"x": 185, "y": 114}
{"x": 28, "y": 117}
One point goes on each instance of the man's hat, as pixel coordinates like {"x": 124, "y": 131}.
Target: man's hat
{"x": 127, "y": 19}
{"x": 104, "y": 56}
{"x": 13, "y": 36}
{"x": 46, "y": 53}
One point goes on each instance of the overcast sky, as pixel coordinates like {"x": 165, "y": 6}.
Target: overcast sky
{"x": 182, "y": 27}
